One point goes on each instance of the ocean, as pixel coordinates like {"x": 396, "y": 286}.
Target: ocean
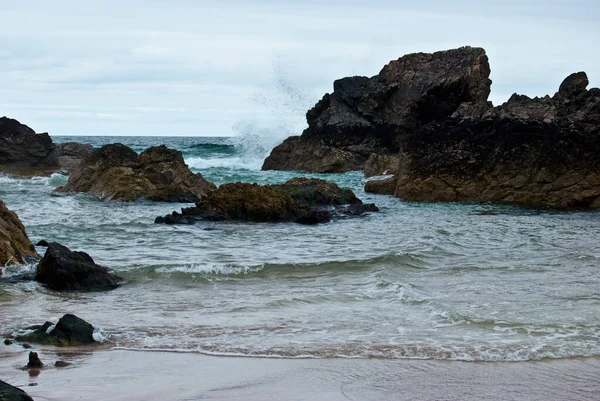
{"x": 434, "y": 281}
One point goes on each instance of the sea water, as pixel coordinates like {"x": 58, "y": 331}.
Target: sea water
{"x": 447, "y": 281}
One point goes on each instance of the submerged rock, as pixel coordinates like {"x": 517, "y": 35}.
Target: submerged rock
{"x": 11, "y": 393}
{"x": 69, "y": 331}
{"x": 116, "y": 172}
{"x": 64, "y": 270}
{"x": 365, "y": 116}
{"x": 300, "y": 199}
{"x": 34, "y": 361}
{"x": 25, "y": 153}
{"x": 15, "y": 246}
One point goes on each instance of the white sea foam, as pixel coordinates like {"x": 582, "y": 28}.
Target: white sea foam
{"x": 50, "y": 329}
{"x": 209, "y": 269}
{"x": 99, "y": 335}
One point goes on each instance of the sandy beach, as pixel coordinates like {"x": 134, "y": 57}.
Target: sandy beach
{"x": 136, "y": 375}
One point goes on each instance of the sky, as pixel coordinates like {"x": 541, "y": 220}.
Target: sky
{"x": 225, "y": 68}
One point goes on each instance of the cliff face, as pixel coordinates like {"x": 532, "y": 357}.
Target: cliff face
{"x": 539, "y": 152}
{"x": 365, "y": 116}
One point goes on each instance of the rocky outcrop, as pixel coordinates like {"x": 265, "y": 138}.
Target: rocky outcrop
{"x": 69, "y": 331}
{"x": 25, "y": 153}
{"x": 71, "y": 154}
{"x": 11, "y": 393}
{"x": 64, "y": 270}
{"x": 365, "y": 116}
{"x": 303, "y": 200}
{"x": 116, "y": 172}
{"x": 15, "y": 246}
{"x": 537, "y": 152}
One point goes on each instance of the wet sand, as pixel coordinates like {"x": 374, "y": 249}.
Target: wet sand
{"x": 135, "y": 375}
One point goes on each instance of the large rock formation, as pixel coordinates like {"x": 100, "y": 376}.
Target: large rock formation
{"x": 116, "y": 172}
{"x": 15, "y": 246}
{"x": 303, "y": 200}
{"x": 69, "y": 331}
{"x": 365, "y": 116}
{"x": 64, "y": 270}
{"x": 538, "y": 152}
{"x": 25, "y": 153}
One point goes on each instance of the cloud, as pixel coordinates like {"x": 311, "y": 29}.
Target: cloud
{"x": 199, "y": 67}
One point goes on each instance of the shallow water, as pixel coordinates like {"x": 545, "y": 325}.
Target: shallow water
{"x": 427, "y": 281}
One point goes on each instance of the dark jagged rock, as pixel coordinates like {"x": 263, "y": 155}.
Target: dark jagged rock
{"x": 537, "y": 152}
{"x": 42, "y": 242}
{"x": 23, "y": 152}
{"x": 116, "y": 172}
{"x": 64, "y": 270}
{"x": 365, "y": 116}
{"x": 11, "y": 393}
{"x": 69, "y": 331}
{"x": 34, "y": 361}
{"x": 302, "y": 200}
{"x": 8, "y": 341}
{"x": 61, "y": 364}
{"x": 15, "y": 246}
{"x": 175, "y": 218}
{"x": 71, "y": 154}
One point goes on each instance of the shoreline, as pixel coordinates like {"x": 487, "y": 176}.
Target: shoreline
{"x": 116, "y": 374}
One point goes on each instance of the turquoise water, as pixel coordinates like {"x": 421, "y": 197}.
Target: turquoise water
{"x": 417, "y": 280}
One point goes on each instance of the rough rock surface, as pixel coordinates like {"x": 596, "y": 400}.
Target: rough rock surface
{"x": 23, "y": 152}
{"x": 15, "y": 246}
{"x": 64, "y": 270}
{"x": 69, "y": 331}
{"x": 116, "y": 172}
{"x": 367, "y": 115}
{"x": 303, "y": 200}
{"x": 71, "y": 154}
{"x": 11, "y": 393}
{"x": 536, "y": 152}
{"x": 381, "y": 165}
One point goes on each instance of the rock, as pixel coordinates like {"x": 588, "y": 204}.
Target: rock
{"x": 314, "y": 217}
{"x": 64, "y": 270}
{"x": 34, "y": 361}
{"x": 302, "y": 200}
{"x": 11, "y": 393}
{"x": 71, "y": 154}
{"x": 42, "y": 243}
{"x": 368, "y": 115}
{"x": 23, "y": 152}
{"x": 378, "y": 164}
{"x": 8, "y": 341}
{"x": 382, "y": 187}
{"x": 26, "y": 346}
{"x": 175, "y": 218}
{"x": 61, "y": 364}
{"x": 116, "y": 172}
{"x": 573, "y": 85}
{"x": 15, "y": 246}
{"x": 69, "y": 331}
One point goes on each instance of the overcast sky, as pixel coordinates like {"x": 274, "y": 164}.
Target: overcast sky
{"x": 158, "y": 67}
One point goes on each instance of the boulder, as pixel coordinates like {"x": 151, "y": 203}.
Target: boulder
{"x": 541, "y": 152}
{"x": 116, "y": 172}
{"x": 71, "y": 154}
{"x": 25, "y": 153}
{"x": 69, "y": 331}
{"x": 303, "y": 200}
{"x": 11, "y": 393}
{"x": 34, "y": 361}
{"x": 364, "y": 115}
{"x": 15, "y": 246}
{"x": 64, "y": 270}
